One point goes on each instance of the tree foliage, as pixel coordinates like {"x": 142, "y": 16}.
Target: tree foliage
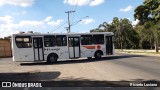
{"x": 148, "y": 11}
{"x": 123, "y": 30}
{"x": 149, "y": 16}
{"x": 145, "y": 35}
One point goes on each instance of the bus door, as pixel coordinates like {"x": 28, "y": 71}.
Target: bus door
{"x": 74, "y": 47}
{"x": 109, "y": 45}
{"x": 38, "y": 48}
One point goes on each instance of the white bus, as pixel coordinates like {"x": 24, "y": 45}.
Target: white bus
{"x": 58, "y": 47}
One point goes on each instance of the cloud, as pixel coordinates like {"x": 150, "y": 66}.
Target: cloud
{"x": 8, "y": 26}
{"x": 128, "y": 8}
{"x": 6, "y": 20}
{"x": 134, "y": 23}
{"x": 47, "y": 19}
{"x": 96, "y": 2}
{"x": 87, "y": 21}
{"x": 83, "y": 2}
{"x": 31, "y": 23}
{"x": 19, "y": 13}
{"x": 55, "y": 23}
{"x": 76, "y": 2}
{"x": 22, "y": 3}
{"x": 129, "y": 18}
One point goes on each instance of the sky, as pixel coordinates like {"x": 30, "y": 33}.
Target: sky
{"x": 49, "y": 15}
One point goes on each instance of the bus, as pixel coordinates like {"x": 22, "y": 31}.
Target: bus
{"x": 61, "y": 46}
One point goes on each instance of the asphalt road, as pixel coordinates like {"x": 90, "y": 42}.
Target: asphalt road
{"x": 120, "y": 67}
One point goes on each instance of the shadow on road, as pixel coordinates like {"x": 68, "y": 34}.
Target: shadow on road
{"x": 98, "y": 83}
{"x": 29, "y": 76}
{"x": 83, "y": 60}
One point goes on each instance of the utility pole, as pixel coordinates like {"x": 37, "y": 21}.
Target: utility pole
{"x": 69, "y": 25}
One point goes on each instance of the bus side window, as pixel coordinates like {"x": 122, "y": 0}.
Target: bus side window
{"x": 49, "y": 41}
{"x": 23, "y": 42}
{"x": 98, "y": 39}
{"x": 86, "y": 39}
{"x": 61, "y": 40}
{"x": 70, "y": 42}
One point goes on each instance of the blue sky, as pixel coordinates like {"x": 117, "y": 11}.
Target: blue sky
{"x": 47, "y": 15}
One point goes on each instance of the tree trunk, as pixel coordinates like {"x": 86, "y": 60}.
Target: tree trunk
{"x": 140, "y": 44}
{"x": 156, "y": 47}
{"x": 156, "y": 44}
{"x": 121, "y": 46}
{"x": 151, "y": 44}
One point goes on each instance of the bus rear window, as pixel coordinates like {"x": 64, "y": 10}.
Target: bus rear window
{"x": 23, "y": 42}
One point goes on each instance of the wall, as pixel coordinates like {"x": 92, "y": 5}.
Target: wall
{"x": 5, "y": 48}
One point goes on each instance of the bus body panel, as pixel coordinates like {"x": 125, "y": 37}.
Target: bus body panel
{"x": 21, "y": 54}
{"x": 89, "y": 50}
{"x": 62, "y": 52}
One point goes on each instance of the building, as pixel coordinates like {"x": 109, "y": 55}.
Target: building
{"x": 5, "y": 47}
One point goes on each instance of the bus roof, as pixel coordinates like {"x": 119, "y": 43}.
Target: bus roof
{"x": 34, "y": 34}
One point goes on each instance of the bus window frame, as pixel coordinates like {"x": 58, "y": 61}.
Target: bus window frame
{"x": 61, "y": 38}
{"x": 91, "y": 36}
{"x": 50, "y": 39}
{"x": 93, "y": 39}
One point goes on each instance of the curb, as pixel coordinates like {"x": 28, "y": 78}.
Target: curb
{"x": 146, "y": 54}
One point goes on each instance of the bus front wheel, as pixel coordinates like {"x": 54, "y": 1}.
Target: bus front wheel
{"x": 52, "y": 58}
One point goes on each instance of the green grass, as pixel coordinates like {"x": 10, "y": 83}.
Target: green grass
{"x": 142, "y": 52}
{"x": 157, "y": 53}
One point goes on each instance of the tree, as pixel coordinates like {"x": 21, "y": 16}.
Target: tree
{"x": 107, "y": 27}
{"x": 96, "y": 30}
{"x": 143, "y": 40}
{"x": 148, "y": 33}
{"x": 103, "y": 26}
{"x": 125, "y": 36}
{"x": 149, "y": 16}
{"x": 148, "y": 11}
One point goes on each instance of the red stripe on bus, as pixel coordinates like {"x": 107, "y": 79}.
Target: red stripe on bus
{"x": 89, "y": 47}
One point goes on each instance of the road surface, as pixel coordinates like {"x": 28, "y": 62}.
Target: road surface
{"x": 120, "y": 67}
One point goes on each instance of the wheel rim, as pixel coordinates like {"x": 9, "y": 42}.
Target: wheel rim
{"x": 52, "y": 59}
{"x": 98, "y": 55}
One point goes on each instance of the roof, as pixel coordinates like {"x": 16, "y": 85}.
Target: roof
{"x": 37, "y": 34}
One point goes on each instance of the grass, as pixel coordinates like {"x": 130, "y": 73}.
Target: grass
{"x": 138, "y": 51}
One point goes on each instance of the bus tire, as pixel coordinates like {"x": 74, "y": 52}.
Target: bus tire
{"x": 98, "y": 55}
{"x": 89, "y": 58}
{"x": 52, "y": 58}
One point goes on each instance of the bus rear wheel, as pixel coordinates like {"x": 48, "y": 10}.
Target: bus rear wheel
{"x": 98, "y": 55}
{"x": 89, "y": 58}
{"x": 52, "y": 58}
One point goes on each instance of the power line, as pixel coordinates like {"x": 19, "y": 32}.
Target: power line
{"x": 68, "y": 12}
{"x": 59, "y": 26}
{"x": 74, "y": 9}
{"x": 76, "y": 22}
